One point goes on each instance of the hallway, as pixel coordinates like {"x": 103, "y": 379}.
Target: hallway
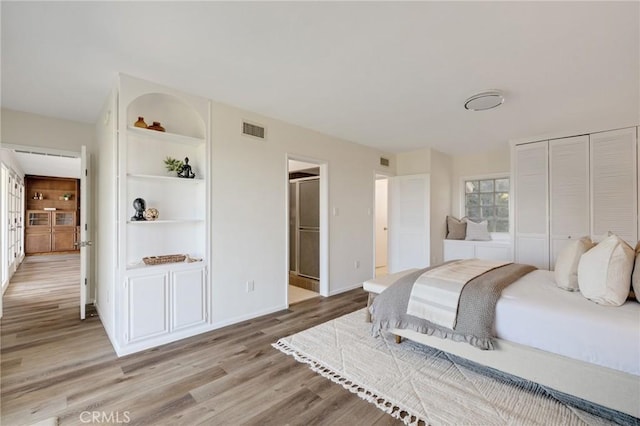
{"x": 43, "y": 339}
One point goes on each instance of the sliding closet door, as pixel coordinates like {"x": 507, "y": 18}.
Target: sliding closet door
{"x": 293, "y": 235}
{"x": 531, "y": 204}
{"x": 614, "y": 185}
{"x": 569, "y": 187}
{"x": 309, "y": 228}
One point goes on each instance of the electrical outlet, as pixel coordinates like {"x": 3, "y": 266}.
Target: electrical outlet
{"x": 250, "y": 286}
{"x": 356, "y": 264}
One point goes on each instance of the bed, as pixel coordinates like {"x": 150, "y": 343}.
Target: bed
{"x": 558, "y": 339}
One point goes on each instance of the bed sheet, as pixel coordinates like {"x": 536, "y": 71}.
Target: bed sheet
{"x": 534, "y": 312}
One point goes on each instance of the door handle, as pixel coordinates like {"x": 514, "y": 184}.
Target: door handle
{"x": 85, "y": 243}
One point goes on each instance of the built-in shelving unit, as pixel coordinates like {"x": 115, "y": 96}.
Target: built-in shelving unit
{"x": 155, "y": 304}
{"x": 165, "y": 137}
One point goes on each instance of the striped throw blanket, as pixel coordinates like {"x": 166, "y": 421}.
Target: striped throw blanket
{"x": 435, "y": 295}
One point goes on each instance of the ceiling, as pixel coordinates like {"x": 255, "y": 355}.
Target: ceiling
{"x": 392, "y": 75}
{"x": 40, "y": 163}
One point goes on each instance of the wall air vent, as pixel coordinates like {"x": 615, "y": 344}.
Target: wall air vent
{"x": 384, "y": 161}
{"x": 253, "y": 130}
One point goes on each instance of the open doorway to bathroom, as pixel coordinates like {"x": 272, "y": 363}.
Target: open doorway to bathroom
{"x": 381, "y": 224}
{"x": 304, "y": 231}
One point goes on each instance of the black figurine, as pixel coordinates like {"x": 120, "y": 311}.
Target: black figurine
{"x": 186, "y": 170}
{"x": 139, "y": 204}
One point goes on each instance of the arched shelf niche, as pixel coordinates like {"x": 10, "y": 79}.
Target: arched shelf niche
{"x": 174, "y": 114}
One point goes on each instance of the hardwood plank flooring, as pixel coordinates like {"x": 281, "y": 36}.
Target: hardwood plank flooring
{"x": 54, "y": 365}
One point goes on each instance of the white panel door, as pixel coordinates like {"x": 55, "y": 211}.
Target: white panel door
{"x": 569, "y": 191}
{"x": 409, "y": 237}
{"x": 614, "y": 185}
{"x": 531, "y": 204}
{"x": 189, "y": 298}
{"x": 381, "y": 222}
{"x": 84, "y": 243}
{"x": 147, "y": 306}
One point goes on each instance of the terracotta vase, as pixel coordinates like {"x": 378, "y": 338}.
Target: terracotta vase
{"x": 156, "y": 126}
{"x": 140, "y": 123}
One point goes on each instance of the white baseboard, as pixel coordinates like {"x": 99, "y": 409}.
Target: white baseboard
{"x": 344, "y": 290}
{"x": 245, "y": 317}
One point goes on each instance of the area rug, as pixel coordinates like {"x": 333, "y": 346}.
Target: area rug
{"x": 422, "y": 385}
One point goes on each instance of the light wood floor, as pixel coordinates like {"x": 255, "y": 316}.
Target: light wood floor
{"x": 53, "y": 364}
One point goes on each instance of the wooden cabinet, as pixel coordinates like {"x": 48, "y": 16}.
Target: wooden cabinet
{"x": 52, "y": 192}
{"x": 48, "y": 231}
{"x": 51, "y": 230}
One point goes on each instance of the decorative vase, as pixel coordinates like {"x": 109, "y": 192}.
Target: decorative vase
{"x": 140, "y": 123}
{"x": 151, "y": 213}
{"x": 156, "y": 126}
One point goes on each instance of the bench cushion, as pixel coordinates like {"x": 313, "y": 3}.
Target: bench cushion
{"x": 378, "y": 285}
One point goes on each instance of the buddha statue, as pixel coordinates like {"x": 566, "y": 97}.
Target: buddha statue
{"x": 186, "y": 170}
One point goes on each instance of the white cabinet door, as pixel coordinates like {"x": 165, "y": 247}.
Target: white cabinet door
{"x": 614, "y": 185}
{"x": 409, "y": 220}
{"x": 531, "y": 204}
{"x": 147, "y": 306}
{"x": 189, "y": 298}
{"x": 569, "y": 191}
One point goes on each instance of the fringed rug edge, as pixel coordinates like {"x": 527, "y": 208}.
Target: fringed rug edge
{"x": 384, "y": 403}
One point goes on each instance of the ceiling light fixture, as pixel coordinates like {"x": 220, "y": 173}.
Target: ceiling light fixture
{"x": 484, "y": 100}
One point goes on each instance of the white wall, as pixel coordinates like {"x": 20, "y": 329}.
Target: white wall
{"x": 414, "y": 162}
{"x": 485, "y": 163}
{"x": 249, "y": 211}
{"x": 26, "y": 129}
{"x": 441, "y": 186}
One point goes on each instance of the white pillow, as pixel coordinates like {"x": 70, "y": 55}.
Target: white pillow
{"x": 478, "y": 231}
{"x": 566, "y": 269}
{"x": 604, "y": 272}
{"x": 635, "y": 277}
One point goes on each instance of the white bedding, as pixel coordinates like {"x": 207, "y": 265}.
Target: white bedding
{"x": 534, "y": 312}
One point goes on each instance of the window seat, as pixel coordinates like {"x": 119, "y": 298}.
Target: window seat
{"x": 492, "y": 250}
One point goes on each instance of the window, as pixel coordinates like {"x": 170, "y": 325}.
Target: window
{"x": 488, "y": 199}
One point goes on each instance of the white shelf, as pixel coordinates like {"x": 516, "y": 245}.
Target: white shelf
{"x": 166, "y": 266}
{"x": 161, "y": 221}
{"x": 164, "y": 136}
{"x": 164, "y": 178}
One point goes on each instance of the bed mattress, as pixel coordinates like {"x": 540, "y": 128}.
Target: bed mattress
{"x": 534, "y": 312}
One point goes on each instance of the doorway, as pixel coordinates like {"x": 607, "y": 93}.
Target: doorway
{"x": 51, "y": 207}
{"x": 381, "y": 225}
{"x": 307, "y": 229}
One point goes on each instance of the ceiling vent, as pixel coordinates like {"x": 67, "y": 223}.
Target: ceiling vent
{"x": 384, "y": 161}
{"x": 20, "y": 151}
{"x": 253, "y": 130}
